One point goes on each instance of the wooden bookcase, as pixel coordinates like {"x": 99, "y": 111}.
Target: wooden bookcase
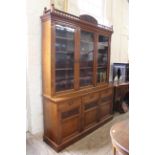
{"x": 77, "y": 96}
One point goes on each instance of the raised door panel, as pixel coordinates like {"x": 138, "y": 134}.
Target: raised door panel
{"x": 90, "y": 109}
{"x": 70, "y": 115}
{"x": 105, "y": 109}
{"x": 106, "y": 101}
{"x": 70, "y": 127}
{"x": 90, "y": 117}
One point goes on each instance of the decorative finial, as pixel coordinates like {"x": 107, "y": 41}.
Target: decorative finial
{"x": 52, "y": 5}
{"x": 45, "y": 9}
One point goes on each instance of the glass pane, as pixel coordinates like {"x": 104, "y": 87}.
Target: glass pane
{"x": 102, "y": 59}
{"x": 101, "y": 74}
{"x": 64, "y": 58}
{"x": 86, "y": 58}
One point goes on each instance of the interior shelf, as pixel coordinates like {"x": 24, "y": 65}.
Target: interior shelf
{"x": 102, "y": 67}
{"x": 86, "y": 68}
{"x": 60, "y": 69}
{"x": 85, "y": 41}
{"x": 66, "y": 52}
{"x": 65, "y": 38}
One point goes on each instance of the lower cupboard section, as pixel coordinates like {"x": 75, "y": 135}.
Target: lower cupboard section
{"x": 75, "y": 137}
{"x": 72, "y": 119}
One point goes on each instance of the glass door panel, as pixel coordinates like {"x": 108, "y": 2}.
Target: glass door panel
{"x": 64, "y": 45}
{"x": 86, "y": 58}
{"x": 102, "y": 59}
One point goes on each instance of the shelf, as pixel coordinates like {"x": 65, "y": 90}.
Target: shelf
{"x": 86, "y": 52}
{"x": 86, "y": 78}
{"x": 64, "y": 38}
{"x": 81, "y": 68}
{"x": 65, "y": 52}
{"x": 70, "y": 78}
{"x": 64, "y": 69}
{"x": 102, "y": 66}
{"x": 88, "y": 42}
{"x": 65, "y": 82}
{"x": 103, "y": 44}
{"x": 88, "y": 61}
{"x": 89, "y": 74}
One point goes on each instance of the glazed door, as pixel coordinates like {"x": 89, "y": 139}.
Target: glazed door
{"x": 102, "y": 59}
{"x": 86, "y": 58}
{"x": 64, "y": 52}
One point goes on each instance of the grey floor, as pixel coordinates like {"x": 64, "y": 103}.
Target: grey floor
{"x": 98, "y": 142}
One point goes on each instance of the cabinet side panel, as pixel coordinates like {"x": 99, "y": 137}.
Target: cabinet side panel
{"x": 46, "y": 57}
{"x": 50, "y": 120}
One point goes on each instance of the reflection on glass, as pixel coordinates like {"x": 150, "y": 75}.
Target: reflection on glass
{"x": 64, "y": 57}
{"x": 86, "y": 58}
{"x": 102, "y": 59}
{"x": 101, "y": 75}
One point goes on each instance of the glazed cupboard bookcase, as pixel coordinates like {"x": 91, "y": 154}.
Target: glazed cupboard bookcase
{"x": 77, "y": 95}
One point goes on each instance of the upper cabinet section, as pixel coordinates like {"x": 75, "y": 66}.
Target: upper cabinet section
{"x": 77, "y": 50}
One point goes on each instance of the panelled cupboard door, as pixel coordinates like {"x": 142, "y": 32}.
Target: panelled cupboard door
{"x": 90, "y": 109}
{"x": 105, "y": 109}
{"x": 90, "y": 115}
{"x": 70, "y": 112}
{"x": 105, "y": 104}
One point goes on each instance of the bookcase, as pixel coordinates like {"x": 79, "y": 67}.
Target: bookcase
{"x": 77, "y": 95}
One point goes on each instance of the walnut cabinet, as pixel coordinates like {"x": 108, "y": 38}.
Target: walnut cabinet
{"x": 77, "y": 96}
